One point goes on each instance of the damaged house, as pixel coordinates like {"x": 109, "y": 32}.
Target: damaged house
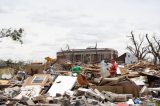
{"x": 126, "y": 58}
{"x": 88, "y": 55}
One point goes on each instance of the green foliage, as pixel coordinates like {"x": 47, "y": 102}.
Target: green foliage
{"x": 14, "y": 34}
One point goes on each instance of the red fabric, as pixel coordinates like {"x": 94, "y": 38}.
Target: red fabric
{"x": 113, "y": 68}
{"x": 122, "y": 104}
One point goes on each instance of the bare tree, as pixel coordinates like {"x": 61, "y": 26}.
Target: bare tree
{"x": 14, "y": 34}
{"x": 137, "y": 48}
{"x": 154, "y": 47}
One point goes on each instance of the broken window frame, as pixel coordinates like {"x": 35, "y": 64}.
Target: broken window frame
{"x": 44, "y": 77}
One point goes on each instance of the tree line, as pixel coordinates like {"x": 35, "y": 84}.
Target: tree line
{"x": 140, "y": 47}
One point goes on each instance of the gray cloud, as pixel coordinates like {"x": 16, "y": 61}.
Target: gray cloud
{"x": 2, "y": 10}
{"x": 47, "y": 45}
{"x": 11, "y": 47}
{"x": 50, "y": 25}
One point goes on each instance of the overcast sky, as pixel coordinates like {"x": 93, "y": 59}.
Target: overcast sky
{"x": 52, "y": 24}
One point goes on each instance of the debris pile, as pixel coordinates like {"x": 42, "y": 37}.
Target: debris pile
{"x": 105, "y": 84}
{"x": 141, "y": 65}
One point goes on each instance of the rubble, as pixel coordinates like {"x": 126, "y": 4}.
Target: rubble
{"x": 136, "y": 84}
